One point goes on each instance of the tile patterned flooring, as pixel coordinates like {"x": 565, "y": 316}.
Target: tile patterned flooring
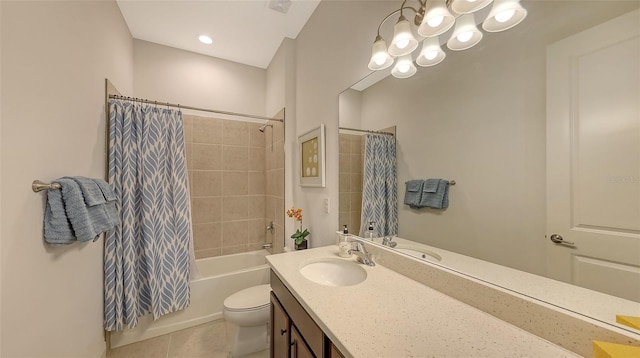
{"x": 206, "y": 340}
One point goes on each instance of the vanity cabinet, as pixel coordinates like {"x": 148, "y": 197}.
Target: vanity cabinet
{"x": 293, "y": 332}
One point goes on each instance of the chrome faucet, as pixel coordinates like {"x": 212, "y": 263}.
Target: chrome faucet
{"x": 271, "y": 227}
{"x": 388, "y": 241}
{"x": 361, "y": 253}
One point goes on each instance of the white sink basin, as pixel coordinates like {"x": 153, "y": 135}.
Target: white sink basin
{"x": 421, "y": 254}
{"x": 334, "y": 272}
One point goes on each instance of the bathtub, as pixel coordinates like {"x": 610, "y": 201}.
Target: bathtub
{"x": 220, "y": 277}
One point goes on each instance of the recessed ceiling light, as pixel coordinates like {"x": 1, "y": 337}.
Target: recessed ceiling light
{"x": 205, "y": 39}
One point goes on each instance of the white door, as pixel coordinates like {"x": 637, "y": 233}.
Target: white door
{"x": 593, "y": 158}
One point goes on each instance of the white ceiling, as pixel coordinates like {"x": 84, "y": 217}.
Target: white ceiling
{"x": 244, "y": 31}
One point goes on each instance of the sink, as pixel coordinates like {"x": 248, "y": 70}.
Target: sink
{"x": 421, "y": 254}
{"x": 334, "y": 272}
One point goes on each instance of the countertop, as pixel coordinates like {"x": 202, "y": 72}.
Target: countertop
{"x": 390, "y": 315}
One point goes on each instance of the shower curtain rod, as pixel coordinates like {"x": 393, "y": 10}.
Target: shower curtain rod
{"x": 364, "y": 130}
{"x": 141, "y": 100}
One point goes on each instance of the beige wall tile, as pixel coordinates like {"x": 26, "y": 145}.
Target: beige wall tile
{"x": 207, "y": 157}
{"x": 206, "y": 210}
{"x": 257, "y": 159}
{"x": 278, "y": 153}
{"x": 345, "y": 144}
{"x": 278, "y": 185}
{"x": 228, "y": 250}
{"x": 187, "y": 127}
{"x": 355, "y": 219}
{"x": 235, "y": 183}
{"x": 200, "y": 254}
{"x": 207, "y": 130}
{"x": 255, "y": 246}
{"x": 344, "y": 165}
{"x": 356, "y": 163}
{"x": 235, "y": 233}
{"x": 356, "y": 201}
{"x": 269, "y": 158}
{"x": 257, "y": 183}
{"x": 235, "y": 208}
{"x": 207, "y": 236}
{"x": 235, "y": 133}
{"x": 344, "y": 183}
{"x": 191, "y": 183}
{"x": 345, "y": 202}
{"x": 270, "y": 208}
{"x": 235, "y": 158}
{"x": 257, "y": 230}
{"x": 188, "y": 149}
{"x": 279, "y": 214}
{"x": 344, "y": 218}
{"x": 356, "y": 182}
{"x": 356, "y": 143}
{"x": 256, "y": 138}
{"x": 207, "y": 183}
{"x": 278, "y": 131}
{"x": 257, "y": 206}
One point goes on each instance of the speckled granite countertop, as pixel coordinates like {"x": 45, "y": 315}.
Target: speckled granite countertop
{"x": 390, "y": 315}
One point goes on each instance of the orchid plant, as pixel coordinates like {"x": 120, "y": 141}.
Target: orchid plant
{"x": 300, "y": 235}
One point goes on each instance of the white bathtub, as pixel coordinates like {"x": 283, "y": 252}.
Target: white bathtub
{"x": 220, "y": 277}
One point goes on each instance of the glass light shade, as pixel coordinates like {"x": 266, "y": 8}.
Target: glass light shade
{"x": 504, "y": 15}
{"x": 465, "y": 35}
{"x": 431, "y": 54}
{"x": 403, "y": 42}
{"x": 380, "y": 58}
{"x": 437, "y": 19}
{"x": 404, "y": 67}
{"x": 468, "y": 6}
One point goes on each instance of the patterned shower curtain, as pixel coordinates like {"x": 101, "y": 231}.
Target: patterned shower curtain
{"x": 146, "y": 258}
{"x": 379, "y": 187}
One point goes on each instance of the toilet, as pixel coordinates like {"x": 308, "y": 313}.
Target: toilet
{"x": 247, "y": 315}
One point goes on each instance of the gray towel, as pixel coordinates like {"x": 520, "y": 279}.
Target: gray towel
{"x": 438, "y": 199}
{"x": 413, "y": 194}
{"x": 68, "y": 213}
{"x": 91, "y": 192}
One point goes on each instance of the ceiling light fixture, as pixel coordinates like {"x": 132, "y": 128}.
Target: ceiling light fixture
{"x": 205, "y": 39}
{"x": 435, "y": 18}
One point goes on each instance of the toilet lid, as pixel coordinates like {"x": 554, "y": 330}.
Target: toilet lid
{"x": 249, "y": 299}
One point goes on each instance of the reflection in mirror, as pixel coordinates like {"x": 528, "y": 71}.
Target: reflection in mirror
{"x": 540, "y": 128}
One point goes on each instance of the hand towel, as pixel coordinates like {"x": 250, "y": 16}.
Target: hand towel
{"x": 68, "y": 212}
{"x": 431, "y": 185}
{"x": 439, "y": 199}
{"x": 413, "y": 193}
{"x": 91, "y": 192}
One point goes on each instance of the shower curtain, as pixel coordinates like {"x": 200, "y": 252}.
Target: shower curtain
{"x": 379, "y": 187}
{"x": 146, "y": 258}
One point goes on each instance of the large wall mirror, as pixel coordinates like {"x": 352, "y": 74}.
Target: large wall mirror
{"x": 539, "y": 126}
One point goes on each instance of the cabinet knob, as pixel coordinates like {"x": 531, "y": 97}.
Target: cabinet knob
{"x": 283, "y": 331}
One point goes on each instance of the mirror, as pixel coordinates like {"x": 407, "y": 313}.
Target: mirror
{"x": 493, "y": 118}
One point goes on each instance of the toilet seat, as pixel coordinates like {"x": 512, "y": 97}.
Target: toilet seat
{"x": 250, "y": 299}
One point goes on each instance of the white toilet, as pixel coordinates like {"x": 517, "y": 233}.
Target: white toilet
{"x": 247, "y": 315}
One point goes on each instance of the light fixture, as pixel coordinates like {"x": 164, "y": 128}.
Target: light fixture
{"x": 380, "y": 58}
{"x": 465, "y": 35}
{"x": 403, "y": 42}
{"x": 437, "y": 19}
{"x": 468, "y": 6}
{"x": 205, "y": 39}
{"x": 504, "y": 15}
{"x": 431, "y": 54}
{"x": 404, "y": 67}
{"x": 433, "y": 18}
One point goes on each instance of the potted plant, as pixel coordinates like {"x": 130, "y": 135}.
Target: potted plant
{"x": 300, "y": 236}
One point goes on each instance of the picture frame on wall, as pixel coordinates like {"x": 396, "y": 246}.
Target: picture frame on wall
{"x": 311, "y": 150}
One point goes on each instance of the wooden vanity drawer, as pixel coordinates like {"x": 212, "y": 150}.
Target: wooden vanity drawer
{"x": 309, "y": 330}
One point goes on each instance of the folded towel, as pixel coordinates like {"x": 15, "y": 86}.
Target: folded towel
{"x": 413, "y": 193}
{"x": 90, "y": 191}
{"x": 107, "y": 191}
{"x": 68, "y": 212}
{"x": 438, "y": 199}
{"x": 431, "y": 185}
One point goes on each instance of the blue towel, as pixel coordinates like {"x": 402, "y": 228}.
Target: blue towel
{"x": 413, "y": 194}
{"x": 438, "y": 198}
{"x": 70, "y": 217}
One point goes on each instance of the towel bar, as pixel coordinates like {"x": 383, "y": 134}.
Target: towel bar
{"x": 38, "y": 185}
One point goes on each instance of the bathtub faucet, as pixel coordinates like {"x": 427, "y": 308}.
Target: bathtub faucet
{"x": 267, "y": 245}
{"x": 270, "y": 228}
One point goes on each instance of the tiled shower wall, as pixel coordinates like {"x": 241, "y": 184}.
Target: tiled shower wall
{"x": 227, "y": 167}
{"x": 350, "y": 171}
{"x": 274, "y": 153}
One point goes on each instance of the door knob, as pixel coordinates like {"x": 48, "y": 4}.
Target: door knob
{"x": 283, "y": 331}
{"x": 557, "y": 239}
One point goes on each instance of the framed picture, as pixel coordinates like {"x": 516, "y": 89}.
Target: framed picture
{"x": 311, "y": 150}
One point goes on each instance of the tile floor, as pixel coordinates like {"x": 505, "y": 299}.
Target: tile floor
{"x": 207, "y": 340}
